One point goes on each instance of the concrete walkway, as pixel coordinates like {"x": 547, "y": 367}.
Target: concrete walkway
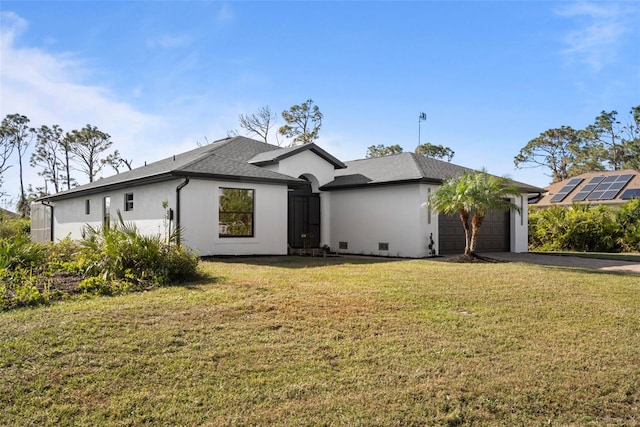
{"x": 569, "y": 261}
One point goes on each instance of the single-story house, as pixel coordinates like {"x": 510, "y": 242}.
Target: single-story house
{"x": 238, "y": 196}
{"x": 612, "y": 188}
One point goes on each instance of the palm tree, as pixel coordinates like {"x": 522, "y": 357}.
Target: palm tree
{"x": 473, "y": 195}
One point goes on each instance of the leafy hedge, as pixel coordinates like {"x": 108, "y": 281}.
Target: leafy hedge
{"x": 107, "y": 261}
{"x": 591, "y": 228}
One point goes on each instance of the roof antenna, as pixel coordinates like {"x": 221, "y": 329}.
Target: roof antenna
{"x": 421, "y": 118}
{"x": 174, "y": 157}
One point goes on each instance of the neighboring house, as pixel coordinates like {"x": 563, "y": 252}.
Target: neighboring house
{"x": 238, "y": 196}
{"x": 602, "y": 187}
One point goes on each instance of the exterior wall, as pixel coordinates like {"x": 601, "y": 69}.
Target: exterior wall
{"x": 70, "y": 216}
{"x": 399, "y": 216}
{"x": 306, "y": 163}
{"x": 363, "y": 218}
{"x": 198, "y": 215}
{"x": 199, "y": 218}
{"x": 520, "y": 225}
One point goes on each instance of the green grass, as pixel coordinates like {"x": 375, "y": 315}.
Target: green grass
{"x": 632, "y": 257}
{"x": 334, "y": 341}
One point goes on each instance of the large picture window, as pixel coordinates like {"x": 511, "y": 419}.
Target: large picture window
{"x": 236, "y": 212}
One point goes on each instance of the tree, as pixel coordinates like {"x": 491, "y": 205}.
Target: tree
{"x": 435, "y": 151}
{"x": 87, "y": 146}
{"x": 632, "y": 140}
{"x": 67, "y": 155}
{"x": 606, "y": 133}
{"x": 383, "y": 150}
{"x": 16, "y": 128}
{"x": 116, "y": 161}
{"x": 258, "y": 123}
{"x": 6, "y": 149}
{"x": 46, "y": 154}
{"x": 303, "y": 123}
{"x": 473, "y": 195}
{"x": 554, "y": 149}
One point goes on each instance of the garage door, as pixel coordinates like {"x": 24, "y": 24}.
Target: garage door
{"x": 492, "y": 237}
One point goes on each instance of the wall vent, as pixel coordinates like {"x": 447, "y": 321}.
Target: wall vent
{"x": 343, "y": 245}
{"x": 383, "y": 246}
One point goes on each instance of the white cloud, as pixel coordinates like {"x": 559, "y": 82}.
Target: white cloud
{"x": 56, "y": 89}
{"x": 602, "y": 28}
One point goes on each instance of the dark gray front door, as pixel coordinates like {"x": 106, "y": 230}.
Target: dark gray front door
{"x": 304, "y": 217}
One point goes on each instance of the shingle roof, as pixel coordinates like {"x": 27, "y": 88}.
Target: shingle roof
{"x": 225, "y": 159}
{"x": 241, "y": 158}
{"x": 400, "y": 168}
{"x": 271, "y": 157}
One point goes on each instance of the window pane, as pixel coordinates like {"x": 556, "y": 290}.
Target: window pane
{"x": 236, "y": 212}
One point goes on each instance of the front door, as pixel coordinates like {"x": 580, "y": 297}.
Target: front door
{"x": 304, "y": 218}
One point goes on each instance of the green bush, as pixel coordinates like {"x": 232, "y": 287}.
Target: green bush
{"x": 628, "y": 218}
{"x": 12, "y": 227}
{"x": 102, "y": 286}
{"x": 17, "y": 289}
{"x": 591, "y": 228}
{"x": 122, "y": 253}
{"x": 112, "y": 260}
{"x": 20, "y": 251}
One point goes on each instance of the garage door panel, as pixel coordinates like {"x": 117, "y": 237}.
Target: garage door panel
{"x": 493, "y": 235}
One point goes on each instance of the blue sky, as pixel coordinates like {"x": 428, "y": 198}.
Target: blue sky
{"x": 163, "y": 76}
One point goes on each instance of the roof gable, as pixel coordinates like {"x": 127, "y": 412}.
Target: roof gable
{"x": 275, "y": 156}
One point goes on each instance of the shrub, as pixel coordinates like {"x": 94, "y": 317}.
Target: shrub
{"x": 122, "y": 253}
{"x": 20, "y": 251}
{"x": 628, "y": 218}
{"x": 17, "y": 289}
{"x": 594, "y": 228}
{"x": 12, "y": 227}
{"x": 96, "y": 285}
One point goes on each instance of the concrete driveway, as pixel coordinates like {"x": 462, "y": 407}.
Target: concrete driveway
{"x": 569, "y": 261}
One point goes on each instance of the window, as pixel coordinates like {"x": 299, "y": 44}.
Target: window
{"x": 236, "y": 212}
{"x": 106, "y": 211}
{"x": 87, "y": 207}
{"x": 128, "y": 202}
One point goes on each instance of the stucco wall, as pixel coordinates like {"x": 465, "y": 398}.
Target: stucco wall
{"x": 199, "y": 216}
{"x": 520, "y": 225}
{"x": 306, "y": 163}
{"x": 363, "y": 218}
{"x": 70, "y": 216}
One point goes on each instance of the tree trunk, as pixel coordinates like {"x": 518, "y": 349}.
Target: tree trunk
{"x": 464, "y": 217}
{"x": 476, "y": 222}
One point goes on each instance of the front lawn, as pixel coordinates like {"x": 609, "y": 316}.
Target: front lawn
{"x": 334, "y": 341}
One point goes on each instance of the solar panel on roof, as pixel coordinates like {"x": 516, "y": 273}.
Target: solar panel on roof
{"x": 564, "y": 191}
{"x": 632, "y": 193}
{"x": 607, "y": 189}
{"x": 587, "y": 189}
{"x": 609, "y": 194}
